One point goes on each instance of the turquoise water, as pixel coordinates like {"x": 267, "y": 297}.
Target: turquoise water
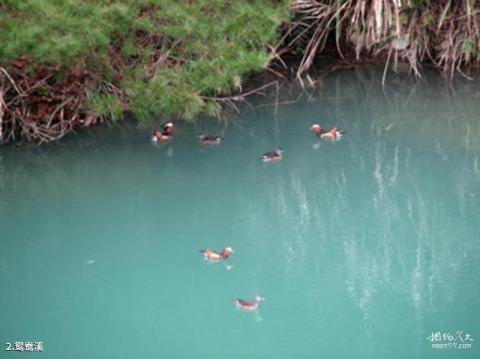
{"x": 362, "y": 248}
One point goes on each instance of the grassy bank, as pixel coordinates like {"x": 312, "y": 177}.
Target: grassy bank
{"x": 66, "y": 64}
{"x": 441, "y": 33}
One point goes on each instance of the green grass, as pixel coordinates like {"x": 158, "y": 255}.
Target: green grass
{"x": 165, "y": 57}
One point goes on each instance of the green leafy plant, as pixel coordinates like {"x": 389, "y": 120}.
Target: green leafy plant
{"x": 151, "y": 57}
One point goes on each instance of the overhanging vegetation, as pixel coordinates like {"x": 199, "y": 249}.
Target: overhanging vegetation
{"x": 66, "y": 64}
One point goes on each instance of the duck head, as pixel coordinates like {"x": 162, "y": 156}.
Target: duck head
{"x": 226, "y": 252}
{"x": 168, "y": 128}
{"x": 259, "y": 298}
{"x": 279, "y": 150}
{"x": 316, "y": 128}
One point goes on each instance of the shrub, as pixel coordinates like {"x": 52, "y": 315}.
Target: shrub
{"x": 152, "y": 57}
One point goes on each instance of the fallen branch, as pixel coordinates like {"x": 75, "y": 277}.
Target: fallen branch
{"x": 11, "y": 80}
{"x": 2, "y": 112}
{"x": 239, "y": 97}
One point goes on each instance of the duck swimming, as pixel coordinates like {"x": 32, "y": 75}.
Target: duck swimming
{"x": 214, "y": 256}
{"x": 251, "y": 304}
{"x": 275, "y": 155}
{"x": 159, "y": 136}
{"x": 332, "y": 134}
{"x": 209, "y": 140}
{"x": 165, "y": 134}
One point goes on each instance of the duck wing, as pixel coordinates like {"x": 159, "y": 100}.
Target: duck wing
{"x": 215, "y": 138}
{"x": 207, "y": 251}
{"x": 246, "y": 303}
{"x": 268, "y": 155}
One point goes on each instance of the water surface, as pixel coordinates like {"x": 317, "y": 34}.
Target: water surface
{"x": 362, "y": 248}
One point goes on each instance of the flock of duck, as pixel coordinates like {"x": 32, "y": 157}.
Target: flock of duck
{"x": 165, "y": 134}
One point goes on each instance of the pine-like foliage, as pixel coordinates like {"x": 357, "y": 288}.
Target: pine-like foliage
{"x": 97, "y": 58}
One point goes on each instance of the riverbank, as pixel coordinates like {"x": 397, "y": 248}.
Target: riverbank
{"x": 161, "y": 60}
